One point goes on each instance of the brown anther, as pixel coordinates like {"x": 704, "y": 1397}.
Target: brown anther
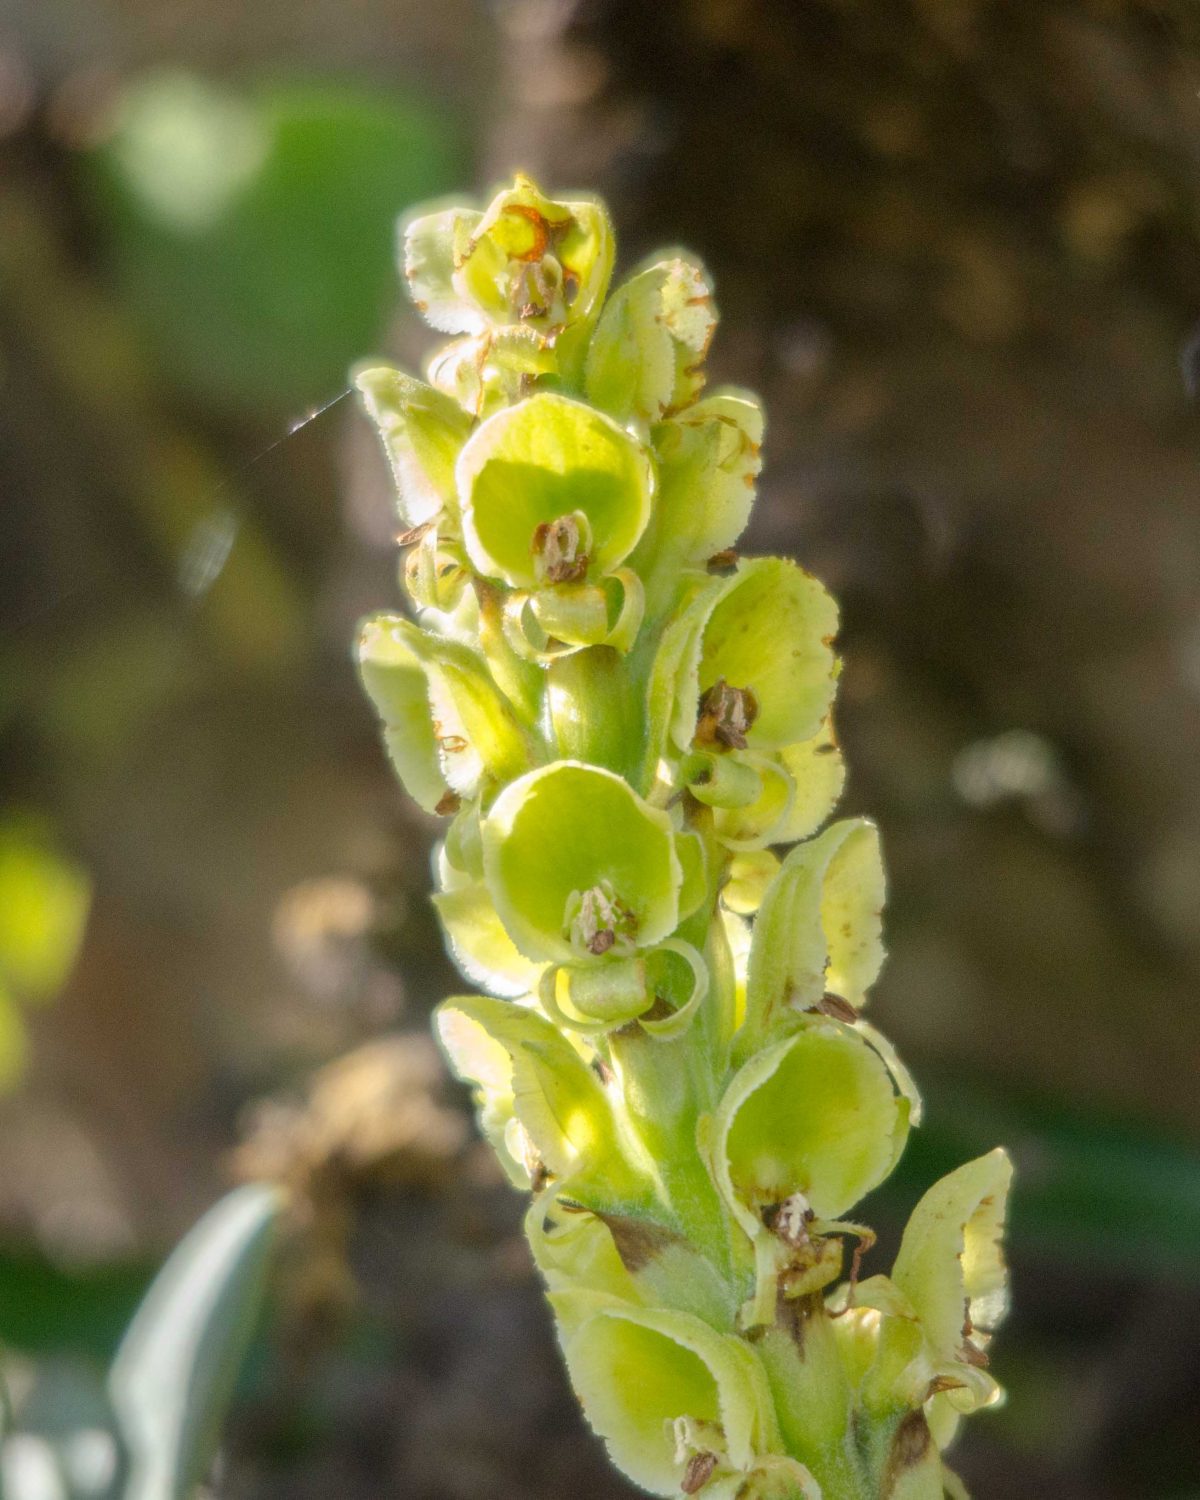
{"x": 700, "y": 1469}
{"x": 723, "y": 561}
{"x": 452, "y": 744}
{"x": 413, "y": 534}
{"x": 726, "y": 713}
{"x": 972, "y": 1354}
{"x": 557, "y": 546}
{"x": 942, "y": 1383}
{"x": 530, "y": 293}
{"x": 602, "y": 918}
{"x": 837, "y": 1009}
{"x": 789, "y": 1220}
{"x": 448, "y": 802}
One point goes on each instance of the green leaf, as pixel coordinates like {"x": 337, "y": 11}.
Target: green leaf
{"x": 35, "y": 1291}
{"x": 538, "y": 462}
{"x": 174, "y": 1373}
{"x": 567, "y": 830}
{"x": 422, "y": 431}
{"x": 647, "y": 352}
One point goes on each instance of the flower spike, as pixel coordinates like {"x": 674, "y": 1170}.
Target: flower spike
{"x": 627, "y": 727}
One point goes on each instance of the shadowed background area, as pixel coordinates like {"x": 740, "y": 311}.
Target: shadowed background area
{"x": 956, "y": 245}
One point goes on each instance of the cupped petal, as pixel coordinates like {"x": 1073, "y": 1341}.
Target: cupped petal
{"x": 709, "y": 457}
{"x": 433, "y": 244}
{"x": 472, "y": 728}
{"x": 951, "y": 1255}
{"x": 552, "y": 491}
{"x": 398, "y": 686}
{"x": 659, "y": 1386}
{"x": 523, "y": 1069}
{"x": 479, "y": 944}
{"x": 816, "y": 1114}
{"x": 771, "y": 633}
{"x": 818, "y": 775}
{"x": 646, "y": 355}
{"x": 819, "y": 930}
{"x": 578, "y": 864}
{"x": 422, "y": 431}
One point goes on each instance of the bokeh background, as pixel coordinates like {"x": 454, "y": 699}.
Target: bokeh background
{"x": 957, "y": 249}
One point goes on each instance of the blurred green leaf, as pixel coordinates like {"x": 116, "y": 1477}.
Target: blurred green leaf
{"x": 47, "y": 1309}
{"x": 253, "y": 233}
{"x": 176, "y": 1367}
{"x": 44, "y": 899}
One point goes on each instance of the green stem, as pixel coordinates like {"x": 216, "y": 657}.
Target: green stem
{"x": 813, "y": 1398}
{"x": 594, "y": 716}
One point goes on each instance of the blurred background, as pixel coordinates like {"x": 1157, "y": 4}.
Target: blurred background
{"x": 957, "y": 249}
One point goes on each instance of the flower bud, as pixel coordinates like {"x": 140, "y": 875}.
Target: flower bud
{"x": 525, "y": 259}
